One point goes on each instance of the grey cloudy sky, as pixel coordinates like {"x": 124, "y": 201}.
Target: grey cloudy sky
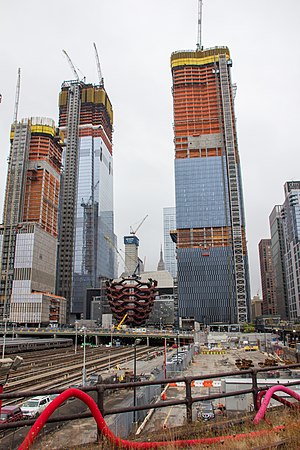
{"x": 135, "y": 39}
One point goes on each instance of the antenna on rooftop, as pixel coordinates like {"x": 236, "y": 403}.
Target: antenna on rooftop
{"x": 17, "y": 96}
{"x": 199, "y": 46}
{"x": 101, "y": 80}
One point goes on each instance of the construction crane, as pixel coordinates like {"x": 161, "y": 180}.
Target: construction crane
{"x": 101, "y": 79}
{"x": 118, "y": 327}
{"x": 199, "y": 46}
{"x": 15, "y": 118}
{"x": 71, "y": 65}
{"x": 139, "y": 226}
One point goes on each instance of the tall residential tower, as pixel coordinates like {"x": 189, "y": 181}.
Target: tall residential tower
{"x": 213, "y": 283}
{"x": 86, "y": 208}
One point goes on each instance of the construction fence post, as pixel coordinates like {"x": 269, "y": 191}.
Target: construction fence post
{"x": 188, "y": 397}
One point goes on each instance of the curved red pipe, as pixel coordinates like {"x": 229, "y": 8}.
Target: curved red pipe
{"x": 282, "y": 400}
{"x": 265, "y": 402}
{"x": 116, "y": 441}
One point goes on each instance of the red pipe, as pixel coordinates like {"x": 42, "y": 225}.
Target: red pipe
{"x": 279, "y": 399}
{"x": 116, "y": 441}
{"x": 270, "y": 392}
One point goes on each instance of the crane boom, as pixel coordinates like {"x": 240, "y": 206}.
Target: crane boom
{"x": 101, "y": 79}
{"x": 71, "y": 64}
{"x": 17, "y": 96}
{"x": 136, "y": 230}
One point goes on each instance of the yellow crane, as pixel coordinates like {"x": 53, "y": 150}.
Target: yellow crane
{"x": 118, "y": 327}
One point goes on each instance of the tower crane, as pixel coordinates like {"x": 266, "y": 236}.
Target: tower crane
{"x": 199, "y": 46}
{"x": 101, "y": 79}
{"x": 71, "y": 65}
{"x": 17, "y": 96}
{"x": 139, "y": 226}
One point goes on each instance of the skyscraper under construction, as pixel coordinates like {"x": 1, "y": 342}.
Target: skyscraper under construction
{"x": 213, "y": 283}
{"x": 28, "y": 236}
{"x": 86, "y": 206}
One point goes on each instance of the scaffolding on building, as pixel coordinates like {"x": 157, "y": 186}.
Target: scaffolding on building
{"x": 233, "y": 185}
{"x": 13, "y": 209}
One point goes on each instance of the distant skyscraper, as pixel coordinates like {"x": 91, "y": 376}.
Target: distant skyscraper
{"x": 291, "y": 230}
{"x": 161, "y": 263}
{"x": 87, "y": 239}
{"x": 278, "y": 251}
{"x": 267, "y": 277}
{"x": 28, "y": 236}
{"x": 169, "y": 217}
{"x": 213, "y": 284}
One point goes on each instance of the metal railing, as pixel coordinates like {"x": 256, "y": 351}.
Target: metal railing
{"x": 100, "y": 391}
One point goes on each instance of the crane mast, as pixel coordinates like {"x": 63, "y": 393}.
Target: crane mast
{"x": 15, "y": 118}
{"x": 100, "y": 76}
{"x": 199, "y": 46}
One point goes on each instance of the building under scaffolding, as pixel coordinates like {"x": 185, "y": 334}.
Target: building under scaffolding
{"x": 28, "y": 236}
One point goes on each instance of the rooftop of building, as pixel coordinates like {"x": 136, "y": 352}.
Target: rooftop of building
{"x": 198, "y": 57}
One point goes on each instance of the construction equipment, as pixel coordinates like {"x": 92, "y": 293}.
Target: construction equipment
{"x": 71, "y": 65}
{"x": 118, "y": 327}
{"x": 132, "y": 231}
{"x": 199, "y": 46}
{"x": 234, "y": 194}
{"x": 101, "y": 79}
{"x": 17, "y": 96}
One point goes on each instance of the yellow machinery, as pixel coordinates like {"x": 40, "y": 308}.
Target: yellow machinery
{"x": 118, "y": 327}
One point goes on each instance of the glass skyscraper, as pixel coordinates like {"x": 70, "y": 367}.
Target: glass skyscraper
{"x": 87, "y": 239}
{"x": 213, "y": 280}
{"x": 169, "y": 217}
{"x": 290, "y": 214}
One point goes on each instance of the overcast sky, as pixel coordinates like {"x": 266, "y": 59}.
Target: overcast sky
{"x": 135, "y": 39}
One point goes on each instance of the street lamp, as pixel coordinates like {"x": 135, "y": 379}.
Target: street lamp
{"x": 136, "y": 342}
{"x": 6, "y": 365}
{"x": 5, "y": 320}
{"x": 76, "y": 330}
{"x": 84, "y": 355}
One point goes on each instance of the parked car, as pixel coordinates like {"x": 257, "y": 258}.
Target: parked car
{"x": 35, "y": 406}
{"x": 205, "y": 411}
{"x": 11, "y": 414}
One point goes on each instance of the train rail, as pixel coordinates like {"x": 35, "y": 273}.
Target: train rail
{"x": 70, "y": 371}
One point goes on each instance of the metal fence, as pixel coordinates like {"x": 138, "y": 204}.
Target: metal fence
{"x": 146, "y": 392}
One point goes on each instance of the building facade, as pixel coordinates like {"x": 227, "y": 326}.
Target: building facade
{"x": 278, "y": 251}
{"x": 86, "y": 236}
{"x": 290, "y": 214}
{"x": 267, "y": 277}
{"x": 213, "y": 277}
{"x": 28, "y": 236}
{"x": 169, "y": 219}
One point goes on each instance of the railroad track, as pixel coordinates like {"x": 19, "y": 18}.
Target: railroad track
{"x": 65, "y": 374}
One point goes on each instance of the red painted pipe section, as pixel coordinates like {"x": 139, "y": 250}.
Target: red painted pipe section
{"x": 265, "y": 402}
{"x": 282, "y": 400}
{"x": 116, "y": 441}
